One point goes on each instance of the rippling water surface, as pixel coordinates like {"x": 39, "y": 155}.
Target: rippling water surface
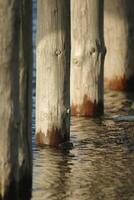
{"x": 101, "y": 164}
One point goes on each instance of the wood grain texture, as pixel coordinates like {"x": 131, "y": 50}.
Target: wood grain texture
{"x": 9, "y": 97}
{"x": 119, "y": 38}
{"x": 87, "y": 57}
{"x": 53, "y": 71}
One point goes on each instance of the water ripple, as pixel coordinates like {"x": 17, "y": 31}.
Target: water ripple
{"x": 99, "y": 167}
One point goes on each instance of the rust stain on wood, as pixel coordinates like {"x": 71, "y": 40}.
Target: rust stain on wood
{"x": 120, "y": 84}
{"x": 87, "y": 108}
{"x": 53, "y": 137}
{"x": 74, "y": 110}
{"x": 40, "y": 138}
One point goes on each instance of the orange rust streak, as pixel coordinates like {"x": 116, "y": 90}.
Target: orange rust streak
{"x": 40, "y": 138}
{"x": 87, "y": 108}
{"x": 53, "y": 137}
{"x": 120, "y": 84}
{"x": 74, "y": 109}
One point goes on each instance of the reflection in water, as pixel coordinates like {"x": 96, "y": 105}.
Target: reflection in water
{"x": 99, "y": 167}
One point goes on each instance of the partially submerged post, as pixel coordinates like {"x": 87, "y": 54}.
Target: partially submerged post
{"x": 119, "y": 31}
{"x": 53, "y": 73}
{"x": 25, "y": 146}
{"x": 87, "y": 57}
{"x": 9, "y": 97}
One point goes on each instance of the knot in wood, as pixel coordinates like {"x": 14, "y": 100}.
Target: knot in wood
{"x": 55, "y": 11}
{"x": 58, "y": 52}
{"x": 92, "y": 50}
{"x": 75, "y": 61}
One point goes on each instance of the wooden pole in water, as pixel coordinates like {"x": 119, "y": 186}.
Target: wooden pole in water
{"x": 9, "y": 97}
{"x": 119, "y": 31}
{"x": 25, "y": 148}
{"x": 87, "y": 57}
{"x": 53, "y": 72}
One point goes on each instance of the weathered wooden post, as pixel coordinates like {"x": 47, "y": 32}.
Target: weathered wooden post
{"x": 119, "y": 38}
{"x": 9, "y": 97}
{"x": 87, "y": 57}
{"x": 25, "y": 146}
{"x": 53, "y": 72}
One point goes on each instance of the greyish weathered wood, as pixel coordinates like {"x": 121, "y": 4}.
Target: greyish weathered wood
{"x": 87, "y": 57}
{"x": 9, "y": 97}
{"x": 119, "y": 38}
{"x": 53, "y": 72}
{"x": 25, "y": 146}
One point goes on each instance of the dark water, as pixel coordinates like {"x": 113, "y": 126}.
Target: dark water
{"x": 101, "y": 164}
